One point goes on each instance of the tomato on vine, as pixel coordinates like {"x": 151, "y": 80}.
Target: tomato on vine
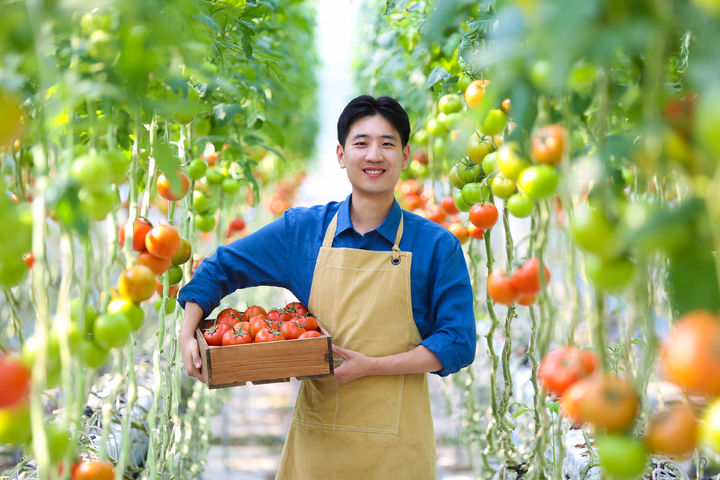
{"x": 526, "y": 279}
{"x": 94, "y": 469}
{"x": 548, "y": 144}
{"x": 15, "y": 379}
{"x": 163, "y": 241}
{"x": 484, "y": 216}
{"x": 173, "y": 193}
{"x": 673, "y": 431}
{"x": 564, "y": 366}
{"x": 500, "y": 288}
{"x": 137, "y": 283}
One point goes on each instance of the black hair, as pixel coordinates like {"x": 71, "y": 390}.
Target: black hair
{"x": 364, "y": 106}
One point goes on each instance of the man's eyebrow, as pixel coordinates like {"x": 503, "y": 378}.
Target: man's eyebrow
{"x": 365, "y": 135}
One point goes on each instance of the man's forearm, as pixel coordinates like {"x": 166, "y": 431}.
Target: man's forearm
{"x": 417, "y": 360}
{"x": 191, "y": 319}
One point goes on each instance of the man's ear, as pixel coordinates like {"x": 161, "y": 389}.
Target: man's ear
{"x": 406, "y": 155}
{"x": 340, "y": 155}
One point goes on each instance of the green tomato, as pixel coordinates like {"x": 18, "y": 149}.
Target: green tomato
{"x": 92, "y": 354}
{"x": 214, "y": 176}
{"x": 204, "y": 222}
{"x": 92, "y": 172}
{"x": 460, "y": 202}
{"x": 454, "y": 177}
{"x": 99, "y": 204}
{"x": 593, "y": 232}
{"x": 184, "y": 252}
{"x": 610, "y": 275}
{"x": 469, "y": 171}
{"x": 112, "y": 330}
{"x": 509, "y": 161}
{"x": 710, "y": 426}
{"x": 175, "y": 274}
{"x": 436, "y": 127}
{"x": 15, "y": 424}
{"x": 503, "y": 187}
{"x": 53, "y": 364}
{"x": 475, "y": 192}
{"x": 58, "y": 442}
{"x": 132, "y": 311}
{"x": 18, "y": 220}
{"x": 439, "y": 147}
{"x": 539, "y": 181}
{"x": 478, "y": 149}
{"x": 169, "y": 306}
{"x": 450, "y": 103}
{"x": 489, "y": 163}
{"x": 541, "y": 74}
{"x": 418, "y": 170}
{"x": 196, "y": 169}
{"x": 520, "y": 206}
{"x": 201, "y": 202}
{"x": 463, "y": 82}
{"x": 494, "y": 122}
{"x": 12, "y": 271}
{"x": 421, "y": 137}
{"x": 621, "y": 455}
{"x": 451, "y": 120}
{"x": 230, "y": 185}
{"x": 119, "y": 163}
{"x": 76, "y": 309}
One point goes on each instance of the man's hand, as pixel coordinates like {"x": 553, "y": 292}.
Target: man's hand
{"x": 190, "y": 352}
{"x": 189, "y": 348}
{"x": 353, "y": 366}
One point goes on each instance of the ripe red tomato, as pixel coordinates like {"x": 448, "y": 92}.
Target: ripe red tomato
{"x": 137, "y": 283}
{"x": 229, "y": 316}
{"x": 460, "y": 231}
{"x": 156, "y": 264}
{"x": 564, "y": 366}
{"x": 610, "y": 404}
{"x": 412, "y": 202}
{"x": 213, "y": 335}
{"x": 484, "y": 216}
{"x": 163, "y": 241}
{"x": 15, "y": 379}
{"x": 436, "y": 213}
{"x": 673, "y": 432}
{"x": 526, "y": 279}
{"x": 448, "y": 204}
{"x": 500, "y": 288}
{"x": 572, "y": 398}
{"x": 236, "y": 337}
{"x": 311, "y": 334}
{"x": 257, "y": 323}
{"x": 29, "y": 260}
{"x": 253, "y": 311}
{"x": 308, "y": 322}
{"x": 296, "y": 308}
{"x": 699, "y": 372}
{"x": 237, "y": 224}
{"x": 548, "y": 144}
{"x": 141, "y": 228}
{"x": 267, "y": 335}
{"x": 94, "y": 469}
{"x": 475, "y": 232}
{"x": 166, "y": 190}
{"x": 291, "y": 330}
{"x": 526, "y": 299}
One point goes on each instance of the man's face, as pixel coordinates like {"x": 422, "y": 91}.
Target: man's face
{"x": 373, "y": 156}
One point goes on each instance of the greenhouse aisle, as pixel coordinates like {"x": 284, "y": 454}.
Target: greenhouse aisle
{"x": 253, "y": 423}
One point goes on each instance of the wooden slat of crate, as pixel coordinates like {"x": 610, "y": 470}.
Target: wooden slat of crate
{"x": 264, "y": 362}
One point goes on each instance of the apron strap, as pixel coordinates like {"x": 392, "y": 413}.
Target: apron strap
{"x": 332, "y": 227}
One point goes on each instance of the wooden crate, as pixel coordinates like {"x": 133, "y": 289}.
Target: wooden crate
{"x": 269, "y": 362}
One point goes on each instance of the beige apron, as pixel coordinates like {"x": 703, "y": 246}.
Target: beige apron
{"x": 377, "y": 427}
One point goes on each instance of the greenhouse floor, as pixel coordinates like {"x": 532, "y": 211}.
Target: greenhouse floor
{"x": 252, "y": 425}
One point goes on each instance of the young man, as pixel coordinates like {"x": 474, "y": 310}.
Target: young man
{"x": 391, "y": 287}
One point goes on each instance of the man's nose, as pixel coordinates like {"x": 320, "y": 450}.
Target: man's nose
{"x": 374, "y": 153}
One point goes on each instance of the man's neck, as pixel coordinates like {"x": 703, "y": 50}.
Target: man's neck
{"x": 368, "y": 212}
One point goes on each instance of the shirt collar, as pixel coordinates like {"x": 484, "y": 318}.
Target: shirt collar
{"x": 388, "y": 228}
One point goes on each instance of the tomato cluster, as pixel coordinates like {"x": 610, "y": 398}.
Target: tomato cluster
{"x": 521, "y": 287}
{"x": 257, "y": 325}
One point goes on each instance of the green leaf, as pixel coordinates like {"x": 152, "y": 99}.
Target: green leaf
{"x": 438, "y": 74}
{"x": 209, "y": 22}
{"x": 166, "y": 161}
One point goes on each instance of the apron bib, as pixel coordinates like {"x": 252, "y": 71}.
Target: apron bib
{"x": 376, "y": 427}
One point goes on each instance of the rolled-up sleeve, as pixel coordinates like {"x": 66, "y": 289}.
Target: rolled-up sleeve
{"x": 453, "y": 339}
{"x": 257, "y": 259}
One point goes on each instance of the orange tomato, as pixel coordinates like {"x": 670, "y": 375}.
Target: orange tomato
{"x": 611, "y": 403}
{"x": 163, "y": 241}
{"x": 673, "y": 432}
{"x": 166, "y": 190}
{"x": 475, "y": 92}
{"x": 500, "y": 288}
{"x": 460, "y": 231}
{"x": 691, "y": 354}
{"x": 137, "y": 283}
{"x": 156, "y": 264}
{"x": 94, "y": 469}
